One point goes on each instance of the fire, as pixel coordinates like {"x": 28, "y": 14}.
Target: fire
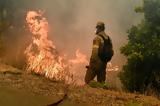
{"x": 78, "y": 67}
{"x": 42, "y": 56}
{"x": 110, "y": 67}
{"x": 80, "y": 58}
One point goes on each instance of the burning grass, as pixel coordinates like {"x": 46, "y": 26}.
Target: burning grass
{"x": 42, "y": 55}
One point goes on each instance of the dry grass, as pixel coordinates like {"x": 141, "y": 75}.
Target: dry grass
{"x": 102, "y": 97}
{"x": 38, "y": 85}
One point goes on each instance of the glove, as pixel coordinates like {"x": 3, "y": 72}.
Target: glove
{"x": 87, "y": 66}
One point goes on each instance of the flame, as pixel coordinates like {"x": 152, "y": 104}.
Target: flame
{"x": 42, "y": 56}
{"x": 77, "y": 67}
{"x": 110, "y": 67}
{"x": 80, "y": 58}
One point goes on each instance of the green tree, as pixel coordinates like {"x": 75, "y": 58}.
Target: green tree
{"x": 142, "y": 71}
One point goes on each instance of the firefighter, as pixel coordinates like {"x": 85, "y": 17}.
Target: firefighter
{"x": 102, "y": 53}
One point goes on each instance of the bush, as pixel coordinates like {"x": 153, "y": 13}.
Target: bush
{"x": 143, "y": 51}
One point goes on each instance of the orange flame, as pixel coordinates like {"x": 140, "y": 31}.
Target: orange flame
{"x": 42, "y": 57}
{"x": 80, "y": 58}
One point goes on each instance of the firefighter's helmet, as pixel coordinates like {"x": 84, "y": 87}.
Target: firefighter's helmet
{"x": 100, "y": 24}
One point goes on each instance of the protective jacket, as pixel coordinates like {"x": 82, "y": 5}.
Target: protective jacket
{"x": 97, "y": 67}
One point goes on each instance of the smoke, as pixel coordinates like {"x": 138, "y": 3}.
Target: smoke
{"x": 72, "y": 22}
{"x": 72, "y": 25}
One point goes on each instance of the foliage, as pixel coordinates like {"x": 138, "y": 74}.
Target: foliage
{"x": 95, "y": 84}
{"x": 143, "y": 51}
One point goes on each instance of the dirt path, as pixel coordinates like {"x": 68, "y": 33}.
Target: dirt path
{"x": 13, "y": 97}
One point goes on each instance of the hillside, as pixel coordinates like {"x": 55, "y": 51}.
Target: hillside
{"x": 21, "y": 89}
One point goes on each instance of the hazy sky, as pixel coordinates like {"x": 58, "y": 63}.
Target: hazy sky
{"x": 72, "y": 22}
{"x": 72, "y": 25}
